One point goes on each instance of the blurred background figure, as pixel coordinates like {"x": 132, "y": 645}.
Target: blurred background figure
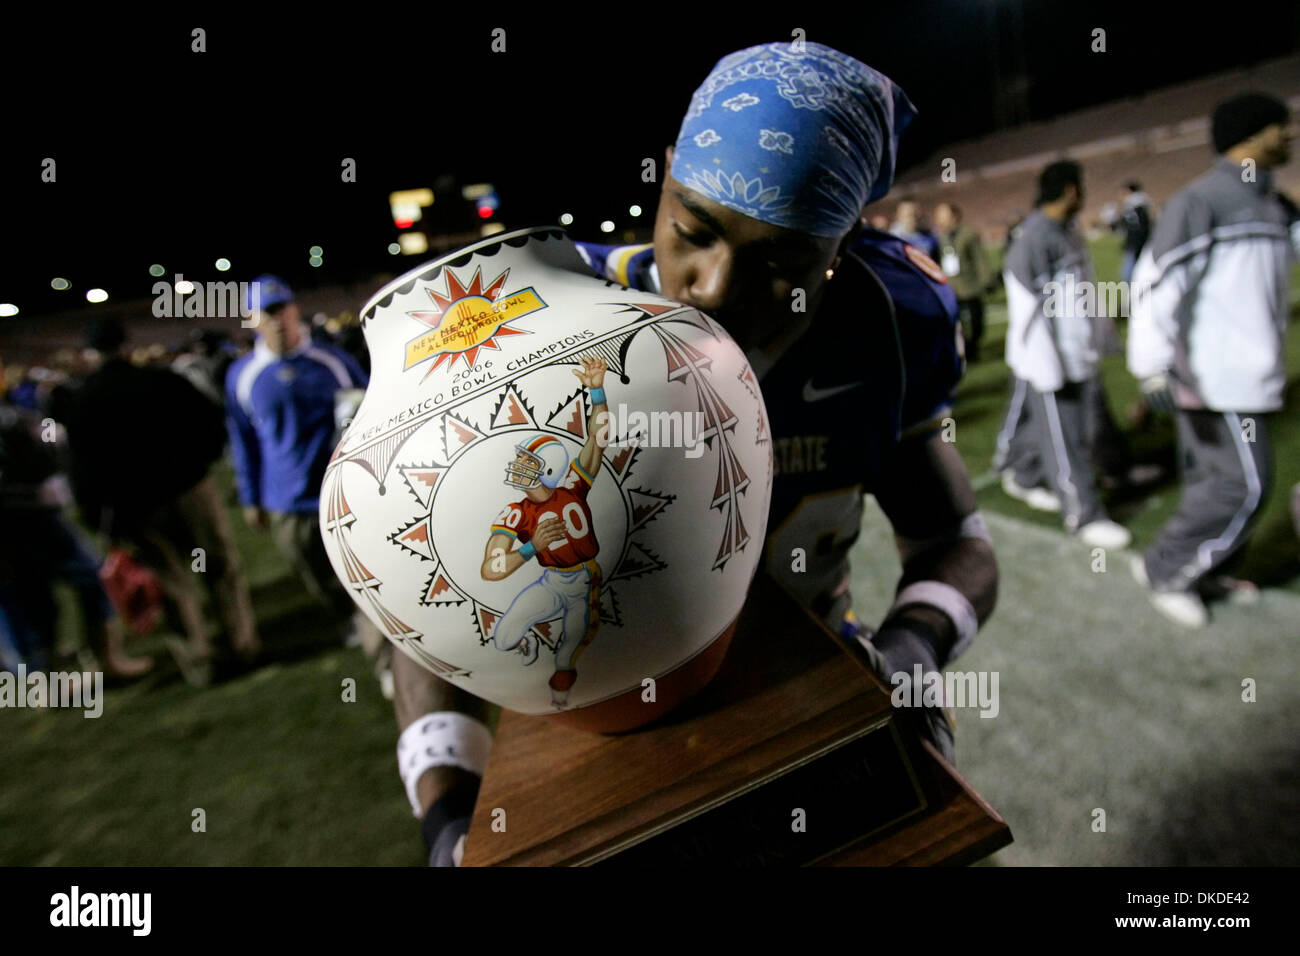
{"x": 138, "y": 484}
{"x": 1014, "y": 225}
{"x": 1052, "y": 345}
{"x": 20, "y": 389}
{"x": 909, "y": 227}
{"x": 1295, "y": 508}
{"x": 961, "y": 255}
{"x": 1134, "y": 221}
{"x": 1206, "y": 341}
{"x": 352, "y": 339}
{"x": 205, "y": 360}
{"x": 280, "y": 411}
{"x": 40, "y": 546}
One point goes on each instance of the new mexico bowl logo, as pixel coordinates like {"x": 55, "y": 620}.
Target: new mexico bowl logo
{"x": 467, "y": 319}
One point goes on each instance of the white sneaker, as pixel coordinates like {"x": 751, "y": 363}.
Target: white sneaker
{"x": 1181, "y": 607}
{"x": 1105, "y": 533}
{"x": 1040, "y": 499}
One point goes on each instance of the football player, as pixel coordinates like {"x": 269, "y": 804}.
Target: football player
{"x": 553, "y": 524}
{"x": 854, "y": 336}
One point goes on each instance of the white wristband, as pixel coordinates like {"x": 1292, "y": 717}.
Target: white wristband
{"x": 945, "y": 598}
{"x": 441, "y": 739}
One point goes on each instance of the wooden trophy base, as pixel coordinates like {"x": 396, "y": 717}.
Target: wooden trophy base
{"x": 792, "y": 756}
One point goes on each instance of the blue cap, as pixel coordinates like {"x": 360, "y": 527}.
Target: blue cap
{"x": 266, "y": 292}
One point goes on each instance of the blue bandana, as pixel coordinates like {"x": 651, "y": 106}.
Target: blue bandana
{"x": 802, "y": 140}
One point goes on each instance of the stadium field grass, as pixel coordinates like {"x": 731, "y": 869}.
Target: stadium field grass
{"x": 1103, "y": 705}
{"x": 285, "y": 771}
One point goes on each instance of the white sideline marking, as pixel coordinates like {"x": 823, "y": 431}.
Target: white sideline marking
{"x": 1020, "y": 526}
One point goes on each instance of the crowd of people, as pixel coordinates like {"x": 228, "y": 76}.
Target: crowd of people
{"x": 129, "y": 435}
{"x": 1206, "y": 283}
{"x": 1208, "y": 309}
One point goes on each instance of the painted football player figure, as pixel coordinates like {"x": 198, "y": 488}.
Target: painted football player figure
{"x": 553, "y": 523}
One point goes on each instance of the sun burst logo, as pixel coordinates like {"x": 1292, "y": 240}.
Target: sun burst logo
{"x": 467, "y": 319}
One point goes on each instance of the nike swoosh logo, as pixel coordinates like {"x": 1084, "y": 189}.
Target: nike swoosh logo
{"x": 811, "y": 394}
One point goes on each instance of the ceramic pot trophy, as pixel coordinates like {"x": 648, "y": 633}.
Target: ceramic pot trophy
{"x": 555, "y": 491}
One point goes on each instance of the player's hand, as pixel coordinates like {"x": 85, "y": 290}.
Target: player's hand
{"x": 256, "y": 518}
{"x": 1159, "y": 395}
{"x": 592, "y": 373}
{"x": 548, "y": 532}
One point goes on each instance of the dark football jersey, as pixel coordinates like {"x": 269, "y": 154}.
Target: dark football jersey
{"x": 880, "y": 362}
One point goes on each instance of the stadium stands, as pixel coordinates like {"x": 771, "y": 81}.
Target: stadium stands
{"x": 1161, "y": 139}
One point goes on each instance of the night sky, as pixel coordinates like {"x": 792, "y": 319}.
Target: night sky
{"x": 173, "y": 157}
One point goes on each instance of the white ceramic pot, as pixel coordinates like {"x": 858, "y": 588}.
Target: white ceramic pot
{"x": 473, "y": 437}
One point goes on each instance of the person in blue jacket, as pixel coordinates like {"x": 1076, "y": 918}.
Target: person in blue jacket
{"x": 280, "y": 401}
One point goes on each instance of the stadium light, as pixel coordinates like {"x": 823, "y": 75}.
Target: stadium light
{"x": 7, "y": 309}
{"x": 315, "y": 262}
{"x": 316, "y": 251}
{"x": 607, "y": 226}
{"x": 407, "y": 206}
{"x": 156, "y": 270}
{"x": 413, "y": 243}
{"x": 184, "y": 287}
{"x": 59, "y": 284}
{"x": 566, "y": 219}
{"x": 96, "y": 295}
{"x": 394, "y": 249}
{"x": 223, "y": 265}
{"x": 634, "y": 211}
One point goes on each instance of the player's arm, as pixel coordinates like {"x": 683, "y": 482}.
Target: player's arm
{"x": 1032, "y": 267}
{"x": 1168, "y": 271}
{"x": 950, "y": 575}
{"x": 442, "y": 751}
{"x": 592, "y": 375}
{"x": 246, "y": 455}
{"x": 983, "y": 270}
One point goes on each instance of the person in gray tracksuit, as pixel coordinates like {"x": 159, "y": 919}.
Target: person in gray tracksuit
{"x": 1054, "y": 341}
{"x": 1209, "y": 316}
